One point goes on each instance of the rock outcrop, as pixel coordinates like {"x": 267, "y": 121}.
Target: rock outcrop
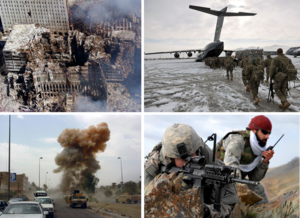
{"x": 165, "y": 198}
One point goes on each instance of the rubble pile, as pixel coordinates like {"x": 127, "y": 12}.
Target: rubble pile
{"x": 165, "y": 198}
{"x": 49, "y": 72}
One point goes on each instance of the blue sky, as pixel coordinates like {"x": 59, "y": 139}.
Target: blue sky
{"x": 34, "y": 136}
{"x": 170, "y": 24}
{"x": 206, "y": 125}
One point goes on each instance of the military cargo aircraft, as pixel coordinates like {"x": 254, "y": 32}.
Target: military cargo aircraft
{"x": 215, "y": 48}
{"x": 293, "y": 51}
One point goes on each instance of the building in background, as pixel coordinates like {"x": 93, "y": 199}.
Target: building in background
{"x": 52, "y": 14}
{"x": 20, "y": 186}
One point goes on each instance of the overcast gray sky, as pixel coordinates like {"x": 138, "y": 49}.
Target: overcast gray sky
{"x": 34, "y": 136}
{"x": 206, "y": 125}
{"x": 171, "y": 25}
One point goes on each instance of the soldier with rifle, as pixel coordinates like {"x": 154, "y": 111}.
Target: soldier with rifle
{"x": 245, "y": 149}
{"x": 183, "y": 151}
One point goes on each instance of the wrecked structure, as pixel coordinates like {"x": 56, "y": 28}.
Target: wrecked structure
{"x": 77, "y": 70}
{"x": 52, "y": 14}
{"x": 47, "y": 72}
{"x": 80, "y": 71}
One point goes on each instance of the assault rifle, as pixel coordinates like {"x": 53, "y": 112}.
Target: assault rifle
{"x": 271, "y": 93}
{"x": 197, "y": 172}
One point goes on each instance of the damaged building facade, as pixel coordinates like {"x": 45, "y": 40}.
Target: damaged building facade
{"x": 52, "y": 14}
{"x": 39, "y": 66}
{"x": 47, "y": 71}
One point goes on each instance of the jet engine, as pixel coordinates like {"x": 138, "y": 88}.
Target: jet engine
{"x": 176, "y": 55}
{"x": 190, "y": 54}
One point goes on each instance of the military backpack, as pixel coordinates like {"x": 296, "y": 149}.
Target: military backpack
{"x": 289, "y": 69}
{"x": 258, "y": 73}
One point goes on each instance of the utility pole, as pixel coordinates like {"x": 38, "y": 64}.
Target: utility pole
{"x": 46, "y": 180}
{"x": 40, "y": 173}
{"x": 8, "y": 197}
{"x": 121, "y": 173}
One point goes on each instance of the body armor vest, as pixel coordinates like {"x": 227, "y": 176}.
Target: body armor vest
{"x": 247, "y": 157}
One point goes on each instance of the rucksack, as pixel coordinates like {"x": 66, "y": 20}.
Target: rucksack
{"x": 289, "y": 69}
{"x": 258, "y": 73}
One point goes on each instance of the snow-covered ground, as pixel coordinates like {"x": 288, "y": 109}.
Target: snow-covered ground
{"x": 180, "y": 85}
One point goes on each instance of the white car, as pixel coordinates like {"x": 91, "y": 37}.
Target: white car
{"x": 24, "y": 209}
{"x": 46, "y": 203}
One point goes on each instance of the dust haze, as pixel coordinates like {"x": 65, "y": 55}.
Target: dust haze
{"x": 79, "y": 154}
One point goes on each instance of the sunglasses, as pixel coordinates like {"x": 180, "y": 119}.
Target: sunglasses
{"x": 265, "y": 132}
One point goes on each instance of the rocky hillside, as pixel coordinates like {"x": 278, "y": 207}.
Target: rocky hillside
{"x": 282, "y": 179}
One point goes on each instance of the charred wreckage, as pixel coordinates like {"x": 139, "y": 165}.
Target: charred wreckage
{"x": 96, "y": 66}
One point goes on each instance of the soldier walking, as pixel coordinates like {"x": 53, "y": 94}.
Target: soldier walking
{"x": 280, "y": 77}
{"x": 244, "y": 64}
{"x": 267, "y": 64}
{"x": 229, "y": 64}
{"x": 255, "y": 71}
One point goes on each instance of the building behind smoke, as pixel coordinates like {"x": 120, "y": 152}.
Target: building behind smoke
{"x": 52, "y": 14}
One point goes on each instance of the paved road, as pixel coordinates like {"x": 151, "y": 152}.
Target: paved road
{"x": 63, "y": 210}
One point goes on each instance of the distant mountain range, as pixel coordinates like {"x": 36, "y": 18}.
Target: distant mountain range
{"x": 270, "y": 48}
{"x": 282, "y": 179}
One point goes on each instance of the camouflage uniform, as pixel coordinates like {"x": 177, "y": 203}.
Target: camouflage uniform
{"x": 234, "y": 150}
{"x": 229, "y": 64}
{"x": 252, "y": 82}
{"x": 280, "y": 79}
{"x": 244, "y": 64}
{"x": 164, "y": 152}
{"x": 267, "y": 64}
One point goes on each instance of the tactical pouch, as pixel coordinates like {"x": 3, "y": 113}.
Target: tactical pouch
{"x": 280, "y": 76}
{"x": 229, "y": 194}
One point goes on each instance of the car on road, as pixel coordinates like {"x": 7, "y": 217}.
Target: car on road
{"x": 14, "y": 200}
{"x": 24, "y": 209}
{"x": 3, "y": 205}
{"x": 40, "y": 193}
{"x": 46, "y": 203}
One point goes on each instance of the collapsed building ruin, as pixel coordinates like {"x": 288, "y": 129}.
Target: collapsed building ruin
{"x": 51, "y": 72}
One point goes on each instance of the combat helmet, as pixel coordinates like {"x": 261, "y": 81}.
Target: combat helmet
{"x": 177, "y": 134}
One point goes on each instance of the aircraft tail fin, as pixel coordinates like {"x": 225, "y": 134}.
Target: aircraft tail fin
{"x": 220, "y": 14}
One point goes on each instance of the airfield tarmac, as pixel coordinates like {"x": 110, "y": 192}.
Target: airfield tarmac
{"x": 183, "y": 85}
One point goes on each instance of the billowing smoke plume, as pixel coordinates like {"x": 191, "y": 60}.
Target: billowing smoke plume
{"x": 79, "y": 154}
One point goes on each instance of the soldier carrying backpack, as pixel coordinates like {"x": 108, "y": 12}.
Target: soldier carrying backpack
{"x": 282, "y": 70}
{"x": 229, "y": 64}
{"x": 255, "y": 73}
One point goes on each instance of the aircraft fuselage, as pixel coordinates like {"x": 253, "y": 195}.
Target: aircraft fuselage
{"x": 213, "y": 49}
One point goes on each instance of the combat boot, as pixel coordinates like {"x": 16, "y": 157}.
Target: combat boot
{"x": 256, "y": 101}
{"x": 285, "y": 106}
{"x": 248, "y": 88}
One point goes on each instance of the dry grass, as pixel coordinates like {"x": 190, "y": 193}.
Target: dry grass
{"x": 126, "y": 209}
{"x": 280, "y": 184}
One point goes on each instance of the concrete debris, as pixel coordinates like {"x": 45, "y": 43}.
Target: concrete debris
{"x": 49, "y": 72}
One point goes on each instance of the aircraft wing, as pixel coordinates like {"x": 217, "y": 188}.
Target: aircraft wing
{"x": 178, "y": 51}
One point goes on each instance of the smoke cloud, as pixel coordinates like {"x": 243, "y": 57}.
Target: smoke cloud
{"x": 79, "y": 154}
